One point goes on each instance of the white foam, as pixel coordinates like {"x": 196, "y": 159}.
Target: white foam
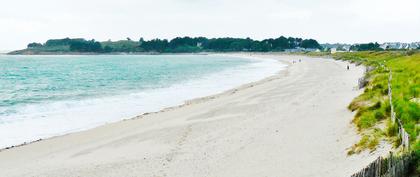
{"x": 58, "y": 118}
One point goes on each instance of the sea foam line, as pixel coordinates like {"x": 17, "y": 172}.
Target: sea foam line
{"x": 59, "y": 118}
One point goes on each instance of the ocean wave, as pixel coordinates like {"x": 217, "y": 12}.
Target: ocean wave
{"x": 39, "y": 121}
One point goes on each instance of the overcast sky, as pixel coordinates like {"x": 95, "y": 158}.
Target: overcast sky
{"x": 346, "y": 21}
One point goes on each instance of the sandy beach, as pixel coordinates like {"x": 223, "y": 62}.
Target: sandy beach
{"x": 294, "y": 124}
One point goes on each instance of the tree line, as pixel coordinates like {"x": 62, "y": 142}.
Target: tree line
{"x": 178, "y": 45}
{"x": 366, "y": 47}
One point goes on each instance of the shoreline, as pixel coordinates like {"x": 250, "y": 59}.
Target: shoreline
{"x": 185, "y": 103}
{"x": 243, "y": 95}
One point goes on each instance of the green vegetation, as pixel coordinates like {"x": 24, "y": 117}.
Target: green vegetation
{"x": 373, "y": 110}
{"x": 315, "y": 54}
{"x": 368, "y": 141}
{"x": 121, "y": 46}
{"x": 366, "y": 47}
{"x": 176, "y": 45}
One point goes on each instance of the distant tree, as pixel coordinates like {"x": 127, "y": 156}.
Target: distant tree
{"x": 141, "y": 40}
{"x": 255, "y": 46}
{"x": 85, "y": 46}
{"x": 266, "y": 46}
{"x": 182, "y": 41}
{"x": 156, "y": 45}
{"x": 229, "y": 44}
{"x": 184, "y": 49}
{"x": 107, "y": 49}
{"x": 366, "y": 47}
{"x": 310, "y": 44}
{"x": 282, "y": 43}
{"x": 237, "y": 46}
{"x": 179, "y": 44}
{"x": 62, "y": 42}
{"x": 219, "y": 44}
{"x": 34, "y": 45}
{"x": 122, "y": 46}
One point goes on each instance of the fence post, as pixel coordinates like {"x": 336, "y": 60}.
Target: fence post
{"x": 390, "y": 96}
{"x": 390, "y": 162}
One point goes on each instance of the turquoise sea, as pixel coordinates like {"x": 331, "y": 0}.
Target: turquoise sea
{"x": 45, "y": 96}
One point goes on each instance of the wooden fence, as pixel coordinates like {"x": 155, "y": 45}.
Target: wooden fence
{"x": 391, "y": 166}
{"x": 403, "y": 135}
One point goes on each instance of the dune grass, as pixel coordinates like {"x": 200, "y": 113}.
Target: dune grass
{"x": 372, "y": 106}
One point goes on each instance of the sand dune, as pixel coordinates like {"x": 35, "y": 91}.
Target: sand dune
{"x": 294, "y": 124}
